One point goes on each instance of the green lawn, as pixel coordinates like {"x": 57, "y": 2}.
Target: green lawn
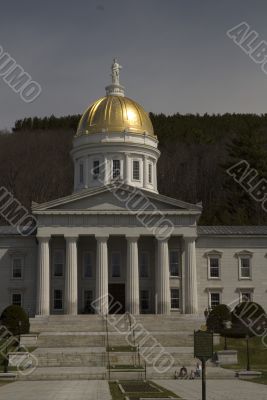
{"x": 127, "y": 366}
{"x": 257, "y": 352}
{"x": 121, "y": 349}
{"x": 118, "y": 395}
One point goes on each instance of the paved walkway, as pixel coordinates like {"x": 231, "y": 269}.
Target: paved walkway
{"x": 56, "y": 390}
{"x": 216, "y": 389}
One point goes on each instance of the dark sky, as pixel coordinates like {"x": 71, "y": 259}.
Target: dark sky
{"x": 175, "y": 54}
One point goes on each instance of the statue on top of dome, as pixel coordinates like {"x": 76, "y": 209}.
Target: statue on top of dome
{"x": 115, "y": 72}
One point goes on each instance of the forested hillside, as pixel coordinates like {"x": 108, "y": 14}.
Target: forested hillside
{"x": 196, "y": 151}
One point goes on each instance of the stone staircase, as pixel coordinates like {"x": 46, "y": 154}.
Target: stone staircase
{"x": 76, "y": 347}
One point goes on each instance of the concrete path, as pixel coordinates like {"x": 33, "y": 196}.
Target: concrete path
{"x": 216, "y": 389}
{"x": 56, "y": 390}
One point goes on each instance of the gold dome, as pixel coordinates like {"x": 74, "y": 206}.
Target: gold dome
{"x": 114, "y": 113}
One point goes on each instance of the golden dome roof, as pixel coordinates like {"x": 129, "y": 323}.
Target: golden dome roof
{"x": 114, "y": 113}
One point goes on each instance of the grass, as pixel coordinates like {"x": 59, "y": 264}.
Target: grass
{"x": 125, "y": 366}
{"x": 257, "y": 353}
{"x": 121, "y": 349}
{"x": 118, "y": 395}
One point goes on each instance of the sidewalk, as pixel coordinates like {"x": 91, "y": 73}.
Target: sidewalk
{"x": 216, "y": 389}
{"x": 56, "y": 390}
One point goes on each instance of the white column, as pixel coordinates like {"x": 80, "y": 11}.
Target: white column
{"x": 102, "y": 275}
{"x": 106, "y": 172}
{"x": 145, "y": 172}
{"x": 86, "y": 173}
{"x": 163, "y": 278}
{"x": 132, "y": 279}
{"x": 127, "y": 170}
{"x": 71, "y": 277}
{"x": 191, "y": 303}
{"x": 43, "y": 277}
{"x": 155, "y": 176}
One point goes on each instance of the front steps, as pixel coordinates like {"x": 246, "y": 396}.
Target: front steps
{"x": 74, "y": 347}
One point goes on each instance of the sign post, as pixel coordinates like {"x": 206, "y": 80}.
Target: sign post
{"x": 203, "y": 349}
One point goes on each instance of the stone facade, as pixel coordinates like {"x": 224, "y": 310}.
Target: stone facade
{"x": 116, "y": 236}
{"x": 153, "y": 295}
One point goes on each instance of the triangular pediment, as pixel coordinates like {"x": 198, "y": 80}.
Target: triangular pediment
{"x": 115, "y": 198}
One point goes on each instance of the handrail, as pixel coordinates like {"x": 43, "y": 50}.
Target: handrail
{"x": 107, "y": 344}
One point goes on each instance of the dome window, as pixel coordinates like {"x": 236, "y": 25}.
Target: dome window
{"x": 81, "y": 173}
{"x": 116, "y": 169}
{"x": 136, "y": 170}
{"x": 149, "y": 173}
{"x": 96, "y": 169}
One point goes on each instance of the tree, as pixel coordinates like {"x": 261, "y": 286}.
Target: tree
{"x": 217, "y": 318}
{"x": 15, "y": 319}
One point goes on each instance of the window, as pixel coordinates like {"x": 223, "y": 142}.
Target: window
{"x": 17, "y": 299}
{"x": 96, "y": 169}
{"x": 136, "y": 170}
{"x": 17, "y": 266}
{"x": 246, "y": 296}
{"x": 150, "y": 173}
{"x": 115, "y": 265}
{"x": 58, "y": 299}
{"x": 58, "y": 263}
{"x": 245, "y": 267}
{"x": 144, "y": 300}
{"x": 215, "y": 299}
{"x": 144, "y": 264}
{"x": 174, "y": 263}
{"x": 88, "y": 299}
{"x": 214, "y": 267}
{"x": 81, "y": 173}
{"x": 87, "y": 265}
{"x": 116, "y": 169}
{"x": 175, "y": 299}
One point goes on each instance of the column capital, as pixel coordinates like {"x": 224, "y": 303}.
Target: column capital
{"x": 132, "y": 238}
{"x": 43, "y": 239}
{"x": 102, "y": 238}
{"x": 188, "y": 239}
{"x": 162, "y": 240}
{"x": 71, "y": 238}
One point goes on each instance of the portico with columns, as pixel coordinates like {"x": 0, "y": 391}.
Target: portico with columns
{"x": 116, "y": 238}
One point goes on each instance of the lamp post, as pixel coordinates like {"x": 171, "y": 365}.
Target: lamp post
{"x": 248, "y": 358}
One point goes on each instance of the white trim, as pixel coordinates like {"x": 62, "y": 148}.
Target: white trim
{"x": 179, "y": 298}
{"x": 246, "y": 257}
{"x": 179, "y": 262}
{"x": 241, "y": 291}
{"x": 18, "y": 257}
{"x": 214, "y": 291}
{"x": 61, "y": 250}
{"x": 150, "y": 167}
{"x": 218, "y": 257}
{"x": 62, "y": 292}
{"x": 137, "y": 160}
{"x": 16, "y": 291}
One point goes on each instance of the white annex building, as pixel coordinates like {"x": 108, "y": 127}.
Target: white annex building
{"x": 117, "y": 235}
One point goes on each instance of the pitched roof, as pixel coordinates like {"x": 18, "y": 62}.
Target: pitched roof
{"x": 8, "y": 230}
{"x": 232, "y": 230}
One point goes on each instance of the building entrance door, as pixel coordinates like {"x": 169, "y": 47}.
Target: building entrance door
{"x": 116, "y": 298}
